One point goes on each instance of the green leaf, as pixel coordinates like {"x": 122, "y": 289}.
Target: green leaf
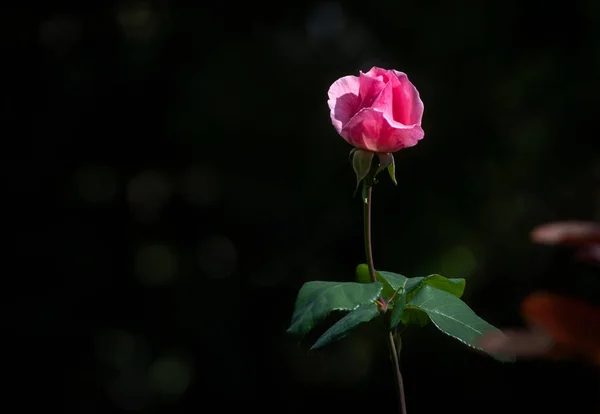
{"x": 352, "y": 151}
{"x": 386, "y": 161}
{"x": 364, "y": 313}
{"x": 385, "y": 158}
{"x": 455, "y": 286}
{"x": 398, "y": 309}
{"x": 413, "y": 283}
{"x": 391, "y": 282}
{"x": 362, "y": 273}
{"x": 361, "y": 162}
{"x": 452, "y": 316}
{"x": 316, "y": 299}
{"x": 392, "y": 171}
{"x": 414, "y": 316}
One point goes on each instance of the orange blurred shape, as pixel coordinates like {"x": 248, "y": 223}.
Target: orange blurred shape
{"x": 573, "y": 324}
{"x": 559, "y": 327}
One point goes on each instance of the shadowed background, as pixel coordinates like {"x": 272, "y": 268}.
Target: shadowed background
{"x": 172, "y": 178}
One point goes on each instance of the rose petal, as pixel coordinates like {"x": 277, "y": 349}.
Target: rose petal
{"x": 384, "y": 102}
{"x": 370, "y": 129}
{"x": 567, "y": 232}
{"x": 343, "y": 101}
{"x": 370, "y": 88}
{"x": 376, "y": 72}
{"x": 408, "y": 106}
{"x": 365, "y": 111}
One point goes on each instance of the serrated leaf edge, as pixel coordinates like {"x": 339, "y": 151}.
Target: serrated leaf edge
{"x": 314, "y": 346}
{"x": 342, "y": 308}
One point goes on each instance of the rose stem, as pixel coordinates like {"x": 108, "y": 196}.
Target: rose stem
{"x": 369, "y": 252}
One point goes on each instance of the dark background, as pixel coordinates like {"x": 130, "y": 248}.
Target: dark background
{"x": 172, "y": 178}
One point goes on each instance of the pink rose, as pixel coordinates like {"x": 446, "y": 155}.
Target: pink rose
{"x": 378, "y": 111}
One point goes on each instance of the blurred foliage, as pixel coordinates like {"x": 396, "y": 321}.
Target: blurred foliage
{"x": 173, "y": 178}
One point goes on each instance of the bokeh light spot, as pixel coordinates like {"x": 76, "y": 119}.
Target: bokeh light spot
{"x": 170, "y": 376}
{"x": 458, "y": 261}
{"x": 138, "y": 21}
{"x": 156, "y": 264}
{"x": 147, "y": 194}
